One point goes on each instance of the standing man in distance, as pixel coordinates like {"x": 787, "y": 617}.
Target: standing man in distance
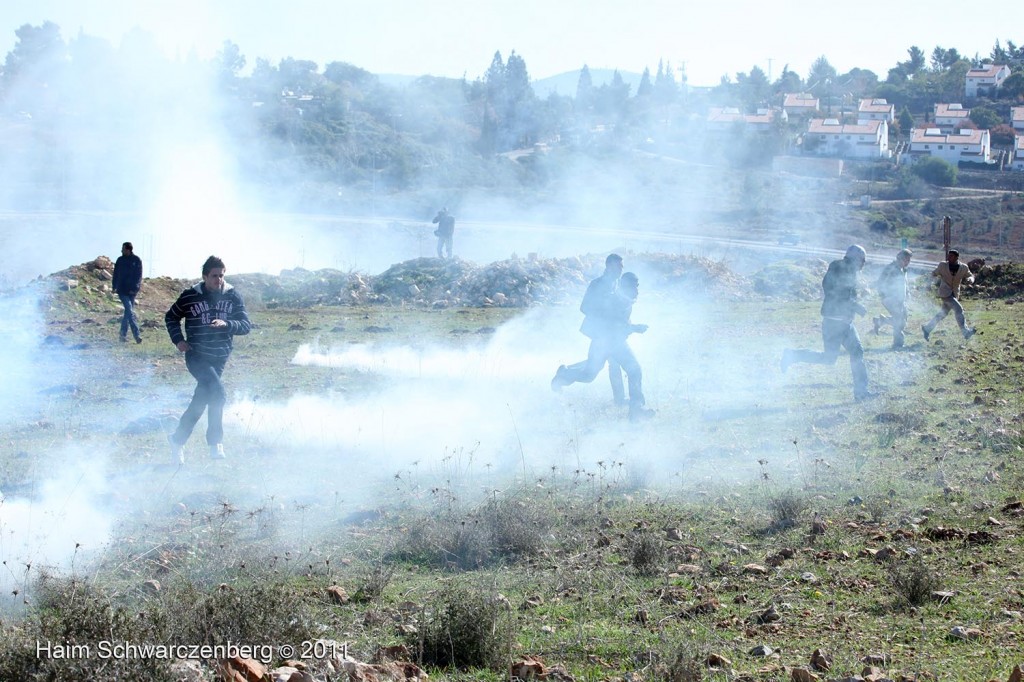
{"x": 892, "y": 287}
{"x": 837, "y": 313}
{"x": 445, "y": 229}
{"x": 126, "y": 283}
{"x": 214, "y": 313}
{"x": 951, "y": 273}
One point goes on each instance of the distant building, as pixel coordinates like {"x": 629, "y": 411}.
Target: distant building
{"x": 800, "y": 104}
{"x": 972, "y": 146}
{"x": 830, "y": 137}
{"x": 950, "y": 116}
{"x": 1017, "y": 119}
{"x": 875, "y": 110}
{"x": 1018, "y": 153}
{"x": 984, "y": 80}
{"x": 724, "y": 119}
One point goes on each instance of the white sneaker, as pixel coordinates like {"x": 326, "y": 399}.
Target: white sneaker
{"x": 217, "y": 451}
{"x": 177, "y": 450}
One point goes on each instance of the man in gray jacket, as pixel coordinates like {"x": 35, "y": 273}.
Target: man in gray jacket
{"x": 951, "y": 274}
{"x": 892, "y": 287}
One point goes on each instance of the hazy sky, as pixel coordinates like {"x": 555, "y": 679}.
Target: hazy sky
{"x": 459, "y": 37}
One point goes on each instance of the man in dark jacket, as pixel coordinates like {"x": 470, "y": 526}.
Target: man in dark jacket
{"x": 596, "y": 322}
{"x": 445, "y": 229}
{"x": 214, "y": 313}
{"x": 837, "y": 313}
{"x": 126, "y": 284}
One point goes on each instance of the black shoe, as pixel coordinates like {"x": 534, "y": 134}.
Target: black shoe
{"x": 969, "y": 332}
{"x": 866, "y": 395}
{"x": 138, "y": 339}
{"x": 926, "y": 331}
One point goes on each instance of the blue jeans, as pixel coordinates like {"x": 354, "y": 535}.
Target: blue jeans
{"x": 129, "y": 319}
{"x": 209, "y": 396}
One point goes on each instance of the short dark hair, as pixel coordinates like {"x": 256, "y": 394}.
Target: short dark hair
{"x": 953, "y": 252}
{"x": 613, "y": 258}
{"x": 128, "y": 245}
{"x": 211, "y": 263}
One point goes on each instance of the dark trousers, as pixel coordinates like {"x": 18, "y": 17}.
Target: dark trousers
{"x": 444, "y": 243}
{"x": 948, "y": 304}
{"x": 129, "y": 319}
{"x": 209, "y": 395}
{"x": 836, "y": 333}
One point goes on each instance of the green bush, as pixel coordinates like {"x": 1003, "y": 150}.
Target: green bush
{"x": 935, "y": 171}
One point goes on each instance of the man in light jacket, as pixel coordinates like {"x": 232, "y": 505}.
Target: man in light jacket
{"x": 951, "y": 274}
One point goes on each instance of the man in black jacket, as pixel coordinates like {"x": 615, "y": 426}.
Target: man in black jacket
{"x": 126, "y": 284}
{"x": 445, "y": 222}
{"x": 214, "y": 313}
{"x": 837, "y": 313}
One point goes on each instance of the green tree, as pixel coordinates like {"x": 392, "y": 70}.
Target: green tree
{"x": 942, "y": 59}
{"x": 645, "y": 89}
{"x": 584, "y": 90}
{"x": 985, "y": 117}
{"x": 1013, "y": 87}
{"x": 906, "y": 121}
{"x": 916, "y": 62}
{"x": 753, "y": 88}
{"x": 38, "y": 55}
{"x": 935, "y": 171}
{"x": 821, "y": 76}
{"x": 788, "y": 81}
{"x": 665, "y": 88}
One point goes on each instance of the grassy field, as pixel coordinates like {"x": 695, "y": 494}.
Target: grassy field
{"x": 418, "y": 460}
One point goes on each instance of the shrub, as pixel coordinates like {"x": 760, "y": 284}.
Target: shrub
{"x": 936, "y": 171}
{"x": 786, "y": 509}
{"x": 912, "y": 581}
{"x": 464, "y": 626}
{"x": 646, "y": 553}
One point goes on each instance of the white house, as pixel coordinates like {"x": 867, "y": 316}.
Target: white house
{"x": 950, "y": 116}
{"x": 1017, "y": 119}
{"x": 875, "y": 110}
{"x": 983, "y": 80}
{"x": 1018, "y": 153}
{"x": 800, "y": 104}
{"x": 724, "y": 119}
{"x": 865, "y": 140}
{"x": 964, "y": 145}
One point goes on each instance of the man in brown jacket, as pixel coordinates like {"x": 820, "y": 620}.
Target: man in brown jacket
{"x": 951, "y": 274}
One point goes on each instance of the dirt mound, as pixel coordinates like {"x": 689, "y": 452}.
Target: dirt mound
{"x": 1004, "y": 280}
{"x": 431, "y": 282}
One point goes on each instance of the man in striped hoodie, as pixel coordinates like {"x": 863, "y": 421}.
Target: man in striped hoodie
{"x": 213, "y": 312}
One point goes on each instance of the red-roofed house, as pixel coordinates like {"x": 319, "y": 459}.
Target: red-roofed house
{"x": 800, "y": 104}
{"x": 1017, "y": 119}
{"x": 876, "y": 110}
{"x": 723, "y": 119}
{"x": 950, "y": 116}
{"x": 865, "y": 140}
{"x": 983, "y": 80}
{"x": 964, "y": 145}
